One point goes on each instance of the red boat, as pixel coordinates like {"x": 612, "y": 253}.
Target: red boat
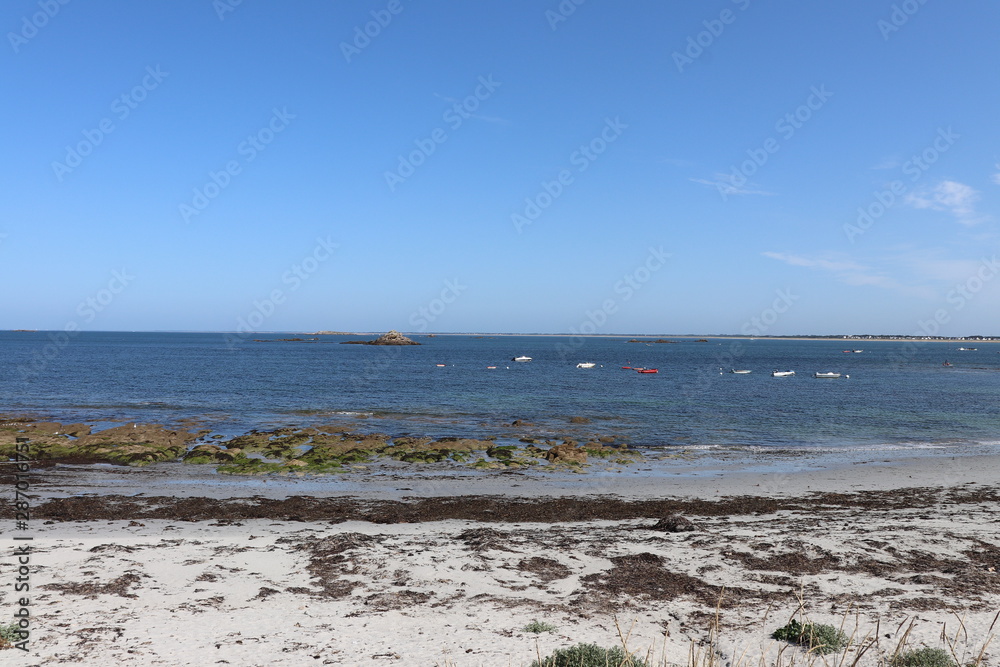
{"x": 647, "y": 370}
{"x": 627, "y": 368}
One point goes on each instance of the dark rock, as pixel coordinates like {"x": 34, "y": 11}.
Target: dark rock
{"x": 566, "y": 453}
{"x": 673, "y": 524}
{"x": 391, "y": 338}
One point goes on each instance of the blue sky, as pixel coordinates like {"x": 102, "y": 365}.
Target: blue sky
{"x": 511, "y": 166}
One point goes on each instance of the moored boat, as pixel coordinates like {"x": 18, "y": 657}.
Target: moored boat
{"x": 739, "y": 371}
{"x": 782, "y": 374}
{"x": 828, "y": 375}
{"x": 586, "y": 364}
{"x": 646, "y": 370}
{"x": 521, "y": 358}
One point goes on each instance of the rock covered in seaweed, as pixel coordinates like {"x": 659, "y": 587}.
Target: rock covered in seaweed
{"x": 391, "y": 338}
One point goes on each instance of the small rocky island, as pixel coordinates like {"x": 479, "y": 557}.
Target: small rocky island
{"x": 391, "y": 338}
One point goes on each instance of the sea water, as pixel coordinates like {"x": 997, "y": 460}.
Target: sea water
{"x": 899, "y": 396}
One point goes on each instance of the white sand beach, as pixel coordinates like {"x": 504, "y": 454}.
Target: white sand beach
{"x": 459, "y": 592}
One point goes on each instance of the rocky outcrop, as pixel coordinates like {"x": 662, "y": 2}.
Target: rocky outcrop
{"x": 391, "y": 338}
{"x": 566, "y": 453}
{"x": 673, "y": 524}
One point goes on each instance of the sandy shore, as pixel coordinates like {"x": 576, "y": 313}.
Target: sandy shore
{"x": 156, "y": 566}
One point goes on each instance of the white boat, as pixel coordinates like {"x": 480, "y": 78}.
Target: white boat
{"x": 858, "y": 351}
{"x": 586, "y": 364}
{"x": 522, "y": 358}
{"x": 782, "y": 374}
{"x": 826, "y": 375}
{"x": 740, "y": 372}
{"x": 968, "y": 349}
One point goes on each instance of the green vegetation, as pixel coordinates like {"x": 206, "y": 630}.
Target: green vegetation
{"x": 538, "y": 627}
{"x": 590, "y": 655}
{"x": 311, "y": 450}
{"x": 9, "y": 635}
{"x": 923, "y": 657}
{"x": 817, "y": 637}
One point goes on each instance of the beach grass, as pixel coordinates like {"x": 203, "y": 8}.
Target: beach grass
{"x": 798, "y": 644}
{"x": 538, "y": 627}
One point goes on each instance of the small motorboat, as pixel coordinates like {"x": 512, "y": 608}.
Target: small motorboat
{"x": 521, "y": 358}
{"x": 739, "y": 372}
{"x": 491, "y": 368}
{"x": 782, "y": 374}
{"x": 626, "y": 368}
{"x": 646, "y": 370}
{"x": 858, "y": 351}
{"x": 440, "y": 365}
{"x": 586, "y": 364}
{"x": 826, "y": 375}
{"x": 968, "y": 349}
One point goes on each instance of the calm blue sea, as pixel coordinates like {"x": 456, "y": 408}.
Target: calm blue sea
{"x": 899, "y": 396}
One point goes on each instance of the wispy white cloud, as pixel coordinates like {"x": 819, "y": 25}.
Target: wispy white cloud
{"x": 890, "y": 162}
{"x": 924, "y": 273}
{"x": 477, "y": 116}
{"x": 727, "y": 185}
{"x": 846, "y": 271}
{"x": 815, "y": 263}
{"x": 996, "y": 176}
{"x": 950, "y": 196}
{"x": 933, "y": 264}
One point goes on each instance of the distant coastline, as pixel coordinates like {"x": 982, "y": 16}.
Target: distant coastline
{"x": 642, "y": 337}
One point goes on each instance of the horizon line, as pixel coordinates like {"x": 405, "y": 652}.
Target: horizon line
{"x": 496, "y": 333}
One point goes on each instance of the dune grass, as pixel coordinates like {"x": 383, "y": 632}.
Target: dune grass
{"x": 802, "y": 643}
